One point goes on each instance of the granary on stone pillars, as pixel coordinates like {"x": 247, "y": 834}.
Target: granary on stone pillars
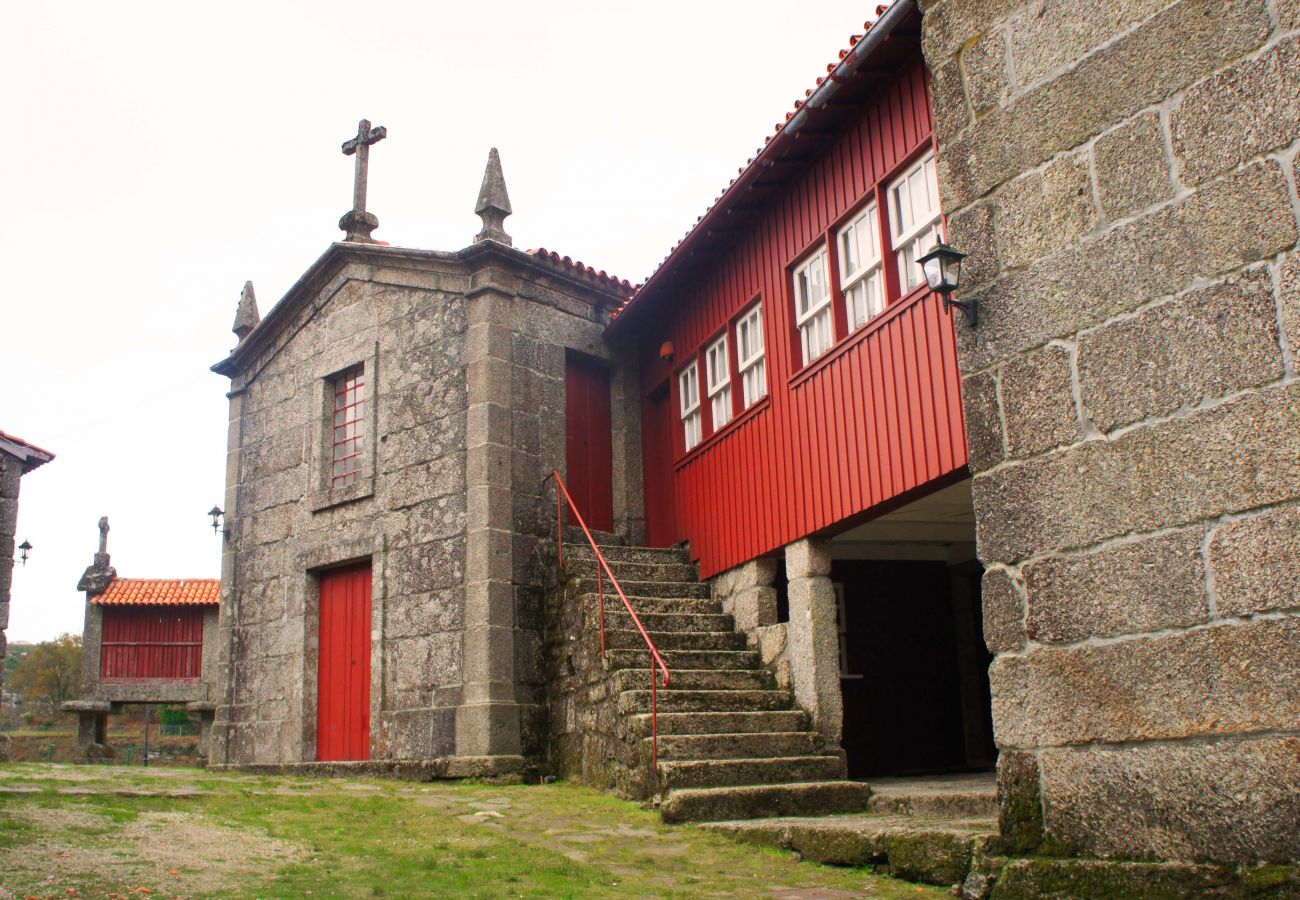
{"x": 17, "y": 458}
{"x": 145, "y": 641}
{"x": 392, "y": 419}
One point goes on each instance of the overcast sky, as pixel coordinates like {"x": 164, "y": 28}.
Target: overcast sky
{"x": 160, "y": 154}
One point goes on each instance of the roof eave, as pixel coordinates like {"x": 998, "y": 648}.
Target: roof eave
{"x": 858, "y": 56}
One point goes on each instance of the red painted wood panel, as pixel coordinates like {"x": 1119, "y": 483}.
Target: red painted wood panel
{"x": 589, "y": 446}
{"x": 343, "y": 685}
{"x": 151, "y": 643}
{"x": 878, "y": 416}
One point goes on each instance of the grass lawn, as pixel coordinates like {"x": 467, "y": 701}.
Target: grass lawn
{"x": 69, "y": 831}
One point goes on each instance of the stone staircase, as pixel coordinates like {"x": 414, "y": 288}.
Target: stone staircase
{"x": 731, "y": 746}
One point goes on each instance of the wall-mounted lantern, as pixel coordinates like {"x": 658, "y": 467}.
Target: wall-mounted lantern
{"x": 24, "y": 551}
{"x": 216, "y": 513}
{"x": 942, "y": 267}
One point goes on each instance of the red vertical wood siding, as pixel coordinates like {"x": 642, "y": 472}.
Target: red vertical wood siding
{"x": 343, "y": 694}
{"x": 878, "y": 416}
{"x": 589, "y": 446}
{"x": 152, "y": 643}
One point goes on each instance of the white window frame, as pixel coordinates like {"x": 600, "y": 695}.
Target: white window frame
{"x": 752, "y": 366}
{"x": 814, "y": 314}
{"x": 688, "y": 381}
{"x": 861, "y": 267}
{"x": 717, "y": 373}
{"x": 914, "y": 239}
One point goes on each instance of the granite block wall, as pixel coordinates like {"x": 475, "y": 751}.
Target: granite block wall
{"x": 1123, "y": 174}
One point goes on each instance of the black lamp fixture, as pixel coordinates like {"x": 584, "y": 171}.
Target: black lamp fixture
{"x": 24, "y": 551}
{"x": 216, "y": 513}
{"x": 942, "y": 267}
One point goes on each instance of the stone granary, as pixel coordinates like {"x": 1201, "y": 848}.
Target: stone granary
{"x": 145, "y": 640}
{"x": 17, "y": 458}
{"x": 1052, "y": 533}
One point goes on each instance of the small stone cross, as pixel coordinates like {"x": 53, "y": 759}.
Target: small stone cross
{"x": 103, "y": 534}
{"x": 357, "y": 222}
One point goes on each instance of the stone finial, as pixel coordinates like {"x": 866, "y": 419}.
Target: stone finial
{"x": 247, "y": 316}
{"x": 95, "y": 580}
{"x": 493, "y": 203}
{"x": 357, "y": 222}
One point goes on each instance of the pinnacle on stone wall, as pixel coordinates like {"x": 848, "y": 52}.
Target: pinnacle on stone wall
{"x": 246, "y": 316}
{"x": 95, "y": 579}
{"x": 493, "y": 203}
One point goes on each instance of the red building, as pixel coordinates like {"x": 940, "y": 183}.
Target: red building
{"x": 799, "y": 380}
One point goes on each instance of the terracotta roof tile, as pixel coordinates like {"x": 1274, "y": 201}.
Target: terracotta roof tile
{"x": 776, "y": 131}
{"x": 161, "y": 592}
{"x": 582, "y": 268}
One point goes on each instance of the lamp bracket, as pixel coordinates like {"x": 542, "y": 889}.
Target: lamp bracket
{"x": 970, "y": 307}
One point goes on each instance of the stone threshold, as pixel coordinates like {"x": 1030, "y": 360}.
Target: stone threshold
{"x": 499, "y": 769}
{"x": 962, "y": 852}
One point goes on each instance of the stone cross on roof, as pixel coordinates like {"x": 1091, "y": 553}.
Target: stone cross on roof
{"x": 357, "y": 222}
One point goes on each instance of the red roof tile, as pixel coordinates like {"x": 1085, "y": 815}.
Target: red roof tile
{"x": 580, "y": 267}
{"x": 161, "y": 592}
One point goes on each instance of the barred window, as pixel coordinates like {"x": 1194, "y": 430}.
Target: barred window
{"x": 349, "y": 427}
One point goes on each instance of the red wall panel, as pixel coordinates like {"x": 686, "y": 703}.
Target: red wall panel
{"x": 878, "y": 416}
{"x": 152, "y": 643}
{"x": 589, "y": 445}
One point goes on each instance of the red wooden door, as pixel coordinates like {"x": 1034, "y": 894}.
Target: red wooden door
{"x": 657, "y": 422}
{"x": 343, "y": 689}
{"x": 589, "y": 448}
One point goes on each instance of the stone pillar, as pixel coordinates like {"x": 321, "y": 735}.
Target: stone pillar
{"x": 92, "y": 728}
{"x": 813, "y": 640}
{"x": 487, "y": 722}
{"x": 10, "y": 473}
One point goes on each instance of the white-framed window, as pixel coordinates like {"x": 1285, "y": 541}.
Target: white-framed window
{"x": 914, "y": 218}
{"x": 812, "y": 306}
{"x": 689, "y": 384}
{"x": 861, "y": 274}
{"x": 717, "y": 372}
{"x": 749, "y": 356}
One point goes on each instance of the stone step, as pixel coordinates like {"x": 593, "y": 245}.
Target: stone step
{"x": 697, "y": 680}
{"x": 683, "y": 590}
{"x": 936, "y": 851}
{"x": 630, "y": 702}
{"x": 818, "y": 798}
{"x": 758, "y": 745}
{"x": 693, "y": 773}
{"x": 725, "y": 723}
{"x": 617, "y": 616}
{"x": 664, "y": 640}
{"x": 947, "y": 796}
{"x": 573, "y": 536}
{"x": 660, "y": 605}
{"x": 639, "y": 658}
{"x": 633, "y": 571}
{"x": 616, "y": 554}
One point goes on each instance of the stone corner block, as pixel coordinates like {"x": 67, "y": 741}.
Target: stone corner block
{"x": 1132, "y": 168}
{"x": 806, "y": 558}
{"x": 1038, "y": 402}
{"x": 1004, "y": 611}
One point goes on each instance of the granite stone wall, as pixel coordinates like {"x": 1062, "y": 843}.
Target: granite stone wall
{"x": 1123, "y": 176}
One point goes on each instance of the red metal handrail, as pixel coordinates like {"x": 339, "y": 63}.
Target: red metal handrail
{"x": 602, "y": 563}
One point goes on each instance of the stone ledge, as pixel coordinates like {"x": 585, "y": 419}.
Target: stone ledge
{"x": 86, "y": 706}
{"x": 502, "y": 769}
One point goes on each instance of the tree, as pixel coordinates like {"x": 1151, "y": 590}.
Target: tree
{"x": 51, "y": 671}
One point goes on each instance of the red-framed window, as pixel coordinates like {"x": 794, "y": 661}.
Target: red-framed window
{"x": 349, "y": 427}
{"x": 865, "y": 261}
{"x": 725, "y": 377}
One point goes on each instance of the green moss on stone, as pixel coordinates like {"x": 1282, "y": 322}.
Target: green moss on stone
{"x": 931, "y": 857}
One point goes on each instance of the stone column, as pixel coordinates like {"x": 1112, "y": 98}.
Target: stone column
{"x": 813, "y": 639}
{"x": 487, "y": 722}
